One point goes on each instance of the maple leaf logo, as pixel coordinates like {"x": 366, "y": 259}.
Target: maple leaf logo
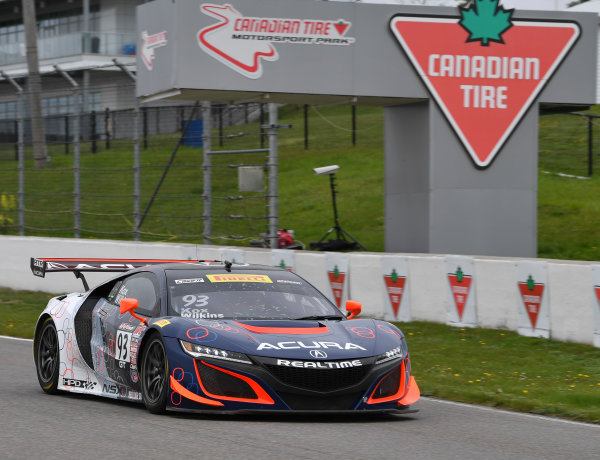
{"x": 486, "y": 20}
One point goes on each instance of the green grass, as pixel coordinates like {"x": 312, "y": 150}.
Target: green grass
{"x": 503, "y": 369}
{"x": 568, "y": 210}
{"x": 19, "y": 310}
{"x": 482, "y": 366}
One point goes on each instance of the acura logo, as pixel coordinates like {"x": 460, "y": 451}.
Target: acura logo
{"x": 318, "y": 354}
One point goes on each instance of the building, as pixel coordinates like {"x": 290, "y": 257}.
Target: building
{"x": 82, "y": 37}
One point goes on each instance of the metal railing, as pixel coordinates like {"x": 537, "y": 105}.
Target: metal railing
{"x": 112, "y": 44}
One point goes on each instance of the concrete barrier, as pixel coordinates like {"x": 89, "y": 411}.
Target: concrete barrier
{"x": 569, "y": 288}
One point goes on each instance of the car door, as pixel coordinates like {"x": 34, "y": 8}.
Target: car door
{"x": 118, "y": 335}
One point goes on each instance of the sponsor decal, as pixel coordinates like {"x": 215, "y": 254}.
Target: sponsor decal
{"x": 242, "y": 42}
{"x": 111, "y": 389}
{"x": 319, "y": 354}
{"x": 460, "y": 285}
{"x": 108, "y": 266}
{"x": 289, "y": 282}
{"x": 394, "y": 285}
{"x": 196, "y": 313}
{"x": 295, "y": 345}
{"x": 484, "y": 68}
{"x": 190, "y": 281}
{"x": 336, "y": 279}
{"x": 320, "y": 364}
{"x": 531, "y": 293}
{"x": 151, "y": 42}
{"x": 241, "y": 278}
{"x": 162, "y": 322}
{"x": 126, "y": 327}
{"x": 38, "y": 263}
{"x": 86, "y": 385}
{"x": 139, "y": 331}
{"x": 363, "y": 332}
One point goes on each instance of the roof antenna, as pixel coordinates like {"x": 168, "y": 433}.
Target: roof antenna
{"x": 228, "y": 265}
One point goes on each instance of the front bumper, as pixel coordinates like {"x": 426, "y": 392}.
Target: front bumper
{"x": 209, "y": 385}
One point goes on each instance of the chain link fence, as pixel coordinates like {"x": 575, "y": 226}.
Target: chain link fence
{"x": 89, "y": 186}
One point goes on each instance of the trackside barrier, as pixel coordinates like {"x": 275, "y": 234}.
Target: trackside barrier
{"x": 536, "y": 297}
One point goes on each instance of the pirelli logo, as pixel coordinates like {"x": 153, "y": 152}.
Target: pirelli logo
{"x": 238, "y": 278}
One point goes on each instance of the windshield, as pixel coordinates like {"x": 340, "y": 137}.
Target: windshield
{"x": 246, "y": 294}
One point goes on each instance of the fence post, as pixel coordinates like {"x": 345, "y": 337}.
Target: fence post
{"x": 273, "y": 177}
{"x": 220, "y": 125}
{"x": 305, "y": 126}
{"x": 590, "y": 146}
{"x": 206, "y": 167}
{"x": 66, "y": 134}
{"x": 145, "y": 123}
{"x": 20, "y": 151}
{"x": 93, "y": 130}
{"x": 107, "y": 127}
{"x": 262, "y": 122}
{"x": 16, "y": 128}
{"x": 354, "y": 125}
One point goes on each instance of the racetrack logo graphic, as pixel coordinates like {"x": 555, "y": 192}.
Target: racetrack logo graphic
{"x": 243, "y": 43}
{"x": 151, "y": 42}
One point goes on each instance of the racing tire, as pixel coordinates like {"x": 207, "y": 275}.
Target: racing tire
{"x": 47, "y": 358}
{"x": 155, "y": 376}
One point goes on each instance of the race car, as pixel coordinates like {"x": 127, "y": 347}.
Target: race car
{"x": 216, "y": 336}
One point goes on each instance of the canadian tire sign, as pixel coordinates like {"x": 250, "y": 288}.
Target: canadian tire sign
{"x": 483, "y": 68}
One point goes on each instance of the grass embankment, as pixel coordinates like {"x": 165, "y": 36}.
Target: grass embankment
{"x": 481, "y": 366}
{"x": 568, "y": 208}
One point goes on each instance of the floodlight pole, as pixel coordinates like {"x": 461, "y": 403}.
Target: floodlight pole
{"x": 76, "y": 153}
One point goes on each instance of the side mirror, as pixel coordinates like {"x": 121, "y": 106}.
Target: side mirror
{"x": 128, "y": 306}
{"x": 353, "y": 307}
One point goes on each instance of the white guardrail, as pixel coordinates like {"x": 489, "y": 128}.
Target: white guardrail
{"x": 544, "y": 298}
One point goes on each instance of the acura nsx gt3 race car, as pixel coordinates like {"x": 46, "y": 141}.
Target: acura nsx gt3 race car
{"x": 213, "y": 336}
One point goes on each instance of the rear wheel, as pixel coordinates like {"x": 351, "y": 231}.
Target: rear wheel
{"x": 46, "y": 358}
{"x": 154, "y": 376}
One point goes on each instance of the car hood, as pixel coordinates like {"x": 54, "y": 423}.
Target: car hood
{"x": 291, "y": 339}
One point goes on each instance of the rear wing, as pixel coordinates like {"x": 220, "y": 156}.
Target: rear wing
{"x": 39, "y": 266}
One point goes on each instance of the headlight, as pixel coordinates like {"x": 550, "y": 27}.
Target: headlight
{"x": 201, "y": 351}
{"x": 396, "y": 353}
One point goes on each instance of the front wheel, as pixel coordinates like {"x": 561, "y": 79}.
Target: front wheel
{"x": 155, "y": 376}
{"x": 46, "y": 357}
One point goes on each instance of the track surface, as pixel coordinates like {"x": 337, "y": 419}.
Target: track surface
{"x": 36, "y": 425}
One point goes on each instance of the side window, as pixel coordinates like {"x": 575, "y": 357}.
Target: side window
{"x": 144, "y": 288}
{"x": 113, "y": 296}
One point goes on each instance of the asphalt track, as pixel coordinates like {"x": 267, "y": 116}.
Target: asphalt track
{"x": 36, "y": 425}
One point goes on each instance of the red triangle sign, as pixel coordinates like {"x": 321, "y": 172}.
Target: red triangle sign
{"x": 337, "y": 286}
{"x": 395, "y": 290}
{"x": 532, "y": 298}
{"x": 460, "y": 291}
{"x": 597, "y": 288}
{"x": 484, "y": 91}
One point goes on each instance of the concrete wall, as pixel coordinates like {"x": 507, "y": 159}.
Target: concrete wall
{"x": 568, "y": 285}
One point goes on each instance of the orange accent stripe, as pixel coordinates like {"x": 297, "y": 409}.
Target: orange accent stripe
{"x": 412, "y": 393}
{"x": 176, "y": 386}
{"x": 398, "y": 393}
{"x": 284, "y": 330}
{"x": 262, "y": 396}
